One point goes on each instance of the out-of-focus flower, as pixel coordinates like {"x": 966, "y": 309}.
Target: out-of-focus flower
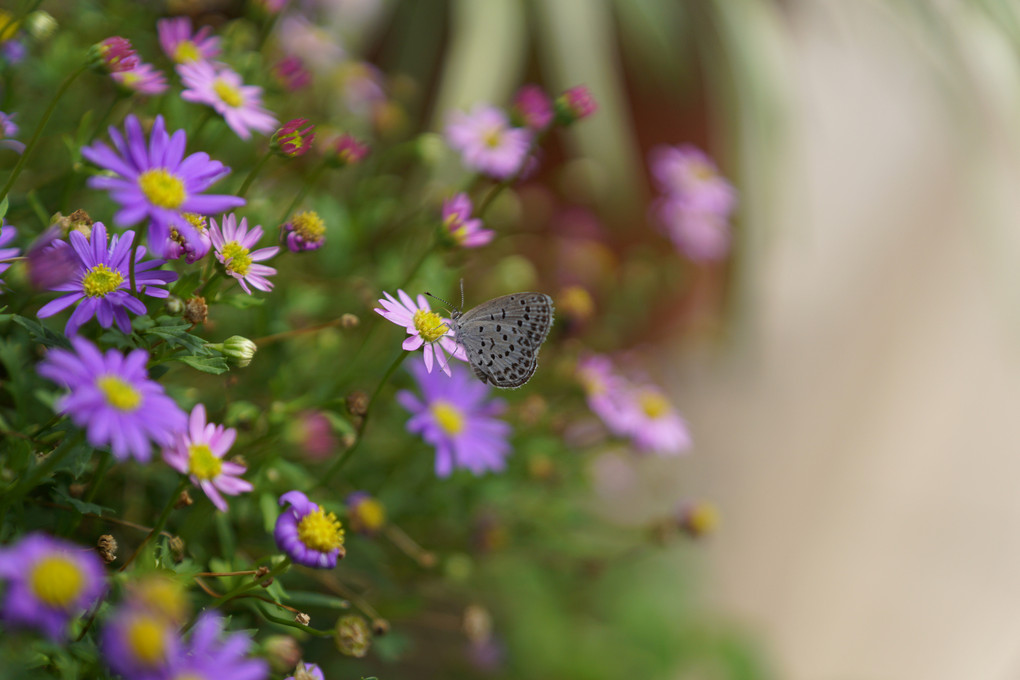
{"x": 212, "y": 655}
{"x": 701, "y": 235}
{"x": 353, "y": 636}
{"x": 576, "y": 305}
{"x": 156, "y": 182}
{"x": 603, "y": 389}
{"x": 486, "y": 141}
{"x": 51, "y": 260}
{"x": 307, "y": 671}
{"x": 291, "y": 74}
{"x": 575, "y": 104}
{"x": 139, "y": 642}
{"x": 199, "y": 451}
{"x": 8, "y": 129}
{"x": 314, "y": 434}
{"x": 191, "y": 242}
{"x": 458, "y": 225}
{"x": 7, "y": 234}
{"x": 13, "y": 51}
{"x": 112, "y": 397}
{"x": 49, "y": 581}
{"x": 307, "y": 533}
{"x": 697, "y": 518}
{"x": 233, "y": 243}
{"x": 425, "y": 328}
{"x": 282, "y": 651}
{"x": 304, "y": 231}
{"x": 293, "y": 139}
{"x": 161, "y": 593}
{"x": 532, "y": 108}
{"x": 320, "y": 50}
{"x": 181, "y": 45}
{"x": 271, "y": 6}
{"x": 102, "y": 283}
{"x": 365, "y": 514}
{"x": 223, "y": 90}
{"x": 112, "y": 55}
{"x": 363, "y": 89}
{"x": 8, "y": 26}
{"x": 456, "y": 416}
{"x": 41, "y": 25}
{"x": 346, "y": 150}
{"x": 143, "y": 79}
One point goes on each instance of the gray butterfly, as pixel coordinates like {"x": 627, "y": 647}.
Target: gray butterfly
{"x": 502, "y": 336}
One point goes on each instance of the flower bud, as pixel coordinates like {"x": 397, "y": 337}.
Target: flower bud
{"x": 107, "y": 546}
{"x": 112, "y": 55}
{"x": 282, "y": 652}
{"x": 574, "y": 104}
{"x": 238, "y": 350}
{"x": 293, "y": 139}
{"x": 353, "y": 638}
{"x": 346, "y": 150}
{"x": 697, "y": 518}
{"x": 532, "y": 108}
{"x": 304, "y": 231}
{"x": 41, "y": 25}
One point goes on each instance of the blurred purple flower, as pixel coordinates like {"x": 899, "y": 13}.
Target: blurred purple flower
{"x": 114, "y": 54}
{"x": 308, "y": 534}
{"x": 363, "y": 88}
{"x": 8, "y": 129}
{"x": 304, "y": 231}
{"x": 198, "y": 452}
{"x": 575, "y": 104}
{"x": 7, "y": 234}
{"x": 532, "y": 107}
{"x": 365, "y": 514}
{"x": 347, "y": 150}
{"x": 425, "y": 328}
{"x": 234, "y": 243}
{"x": 687, "y": 175}
{"x": 192, "y": 242}
{"x": 140, "y": 643}
{"x": 291, "y": 73}
{"x": 181, "y": 46}
{"x": 486, "y": 141}
{"x": 51, "y": 261}
{"x": 294, "y": 138}
{"x": 211, "y": 655}
{"x": 701, "y": 235}
{"x": 223, "y": 90}
{"x": 143, "y": 79}
{"x": 459, "y": 225}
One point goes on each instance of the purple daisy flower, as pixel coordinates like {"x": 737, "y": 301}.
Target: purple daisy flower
{"x": 143, "y": 79}
{"x": 49, "y": 582}
{"x": 114, "y": 399}
{"x": 223, "y": 90}
{"x": 486, "y": 141}
{"x": 426, "y": 328}
{"x": 199, "y": 452}
{"x": 181, "y": 45}
{"x": 701, "y": 235}
{"x": 156, "y": 181}
{"x": 8, "y": 129}
{"x": 233, "y": 243}
{"x": 604, "y": 390}
{"x": 456, "y": 416}
{"x": 653, "y": 423}
{"x": 140, "y": 642}
{"x": 307, "y": 671}
{"x": 211, "y": 655}
{"x": 688, "y": 175}
{"x": 308, "y": 534}
{"x": 102, "y": 281}
{"x": 7, "y": 234}
{"x": 458, "y": 225}
{"x": 365, "y": 514}
{"x": 192, "y": 242}
{"x": 304, "y": 231}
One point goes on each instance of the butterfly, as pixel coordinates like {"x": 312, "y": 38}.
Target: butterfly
{"x": 502, "y": 336}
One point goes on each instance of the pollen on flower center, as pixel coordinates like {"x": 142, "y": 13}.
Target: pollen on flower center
{"x": 703, "y": 171}
{"x": 654, "y": 405}
{"x": 237, "y": 257}
{"x": 309, "y": 225}
{"x": 186, "y": 51}
{"x": 119, "y": 393}
{"x": 100, "y": 281}
{"x": 429, "y": 325}
{"x": 320, "y": 531}
{"x": 57, "y": 581}
{"x": 493, "y": 138}
{"x": 202, "y": 463}
{"x": 162, "y": 188}
{"x": 448, "y": 416}
{"x": 146, "y": 638}
{"x": 227, "y": 93}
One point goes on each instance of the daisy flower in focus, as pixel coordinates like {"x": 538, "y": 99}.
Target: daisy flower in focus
{"x": 233, "y": 243}
{"x": 223, "y": 90}
{"x": 460, "y": 227}
{"x": 183, "y": 46}
{"x": 113, "y": 399}
{"x": 154, "y": 181}
{"x": 199, "y": 452}
{"x": 307, "y": 533}
{"x": 486, "y": 141}
{"x": 456, "y": 416}
{"x": 7, "y": 234}
{"x": 143, "y": 79}
{"x": 49, "y": 581}
{"x": 425, "y": 328}
{"x": 102, "y": 281}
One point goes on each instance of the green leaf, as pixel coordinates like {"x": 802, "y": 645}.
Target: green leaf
{"x": 175, "y": 333}
{"x": 61, "y": 496}
{"x": 308, "y": 598}
{"x": 39, "y": 332}
{"x": 215, "y": 365}
{"x": 4, "y": 204}
{"x": 186, "y": 285}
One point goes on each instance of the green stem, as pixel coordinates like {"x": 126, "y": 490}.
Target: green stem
{"x": 97, "y": 479}
{"x": 160, "y": 523}
{"x": 40, "y": 127}
{"x": 342, "y": 460}
{"x": 290, "y": 623}
{"x": 198, "y": 126}
{"x": 251, "y": 175}
{"x": 305, "y": 188}
{"x": 242, "y": 589}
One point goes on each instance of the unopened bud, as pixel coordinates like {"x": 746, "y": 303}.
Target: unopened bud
{"x": 282, "y": 651}
{"x": 353, "y": 637}
{"x": 41, "y": 25}
{"x": 107, "y": 546}
{"x": 239, "y": 350}
{"x": 349, "y": 321}
{"x": 174, "y": 306}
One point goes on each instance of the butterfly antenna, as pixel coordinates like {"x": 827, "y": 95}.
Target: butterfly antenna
{"x": 462, "y": 293}
{"x": 436, "y": 297}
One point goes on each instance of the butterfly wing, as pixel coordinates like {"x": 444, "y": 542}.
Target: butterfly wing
{"x": 502, "y": 337}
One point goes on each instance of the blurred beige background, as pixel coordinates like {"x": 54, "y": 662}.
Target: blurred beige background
{"x": 860, "y": 433}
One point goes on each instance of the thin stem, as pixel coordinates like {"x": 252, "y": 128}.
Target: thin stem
{"x": 40, "y": 127}
{"x": 305, "y": 188}
{"x": 199, "y": 125}
{"x": 285, "y": 335}
{"x": 241, "y": 589}
{"x": 287, "y": 622}
{"x": 251, "y": 175}
{"x": 342, "y": 460}
{"x": 160, "y": 523}
{"x": 105, "y": 460}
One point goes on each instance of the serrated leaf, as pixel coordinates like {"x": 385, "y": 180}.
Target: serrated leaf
{"x": 243, "y": 301}
{"x": 60, "y": 495}
{"x": 39, "y": 332}
{"x": 214, "y": 365}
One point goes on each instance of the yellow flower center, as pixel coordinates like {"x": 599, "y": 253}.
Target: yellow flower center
{"x": 237, "y": 257}
{"x": 703, "y": 172}
{"x": 654, "y": 404}
{"x": 429, "y": 325}
{"x": 119, "y": 393}
{"x": 188, "y": 675}
{"x": 320, "y": 531}
{"x": 202, "y": 463}
{"x": 162, "y": 189}
{"x": 227, "y": 93}
{"x": 163, "y": 596}
{"x": 8, "y": 27}
{"x": 493, "y": 137}
{"x": 56, "y": 581}
{"x": 129, "y": 78}
{"x": 449, "y": 417}
{"x": 186, "y": 51}
{"x": 371, "y": 513}
{"x": 101, "y": 281}
{"x": 197, "y": 221}
{"x": 309, "y": 225}
{"x": 146, "y": 637}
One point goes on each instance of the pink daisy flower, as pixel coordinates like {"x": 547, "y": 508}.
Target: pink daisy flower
{"x": 458, "y": 224}
{"x": 233, "y": 243}
{"x": 223, "y": 90}
{"x": 178, "y": 42}
{"x": 199, "y": 453}
{"x": 486, "y": 141}
{"x": 425, "y": 328}
{"x": 143, "y": 79}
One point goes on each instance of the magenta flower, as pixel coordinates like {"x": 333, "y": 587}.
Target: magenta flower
{"x": 49, "y": 581}
{"x": 112, "y": 397}
{"x": 486, "y": 141}
{"x": 155, "y": 181}
{"x": 102, "y": 281}
{"x": 293, "y": 139}
{"x": 687, "y": 174}
{"x": 604, "y": 391}
{"x": 533, "y": 108}
{"x": 8, "y": 129}
{"x": 223, "y": 90}
{"x": 308, "y": 534}
{"x": 233, "y": 243}
{"x": 701, "y": 235}
{"x": 51, "y": 260}
{"x": 181, "y": 46}
{"x": 456, "y": 417}
{"x": 575, "y": 104}
{"x": 425, "y": 328}
{"x": 7, "y": 234}
{"x": 199, "y": 452}
{"x": 347, "y": 150}
{"x": 304, "y": 231}
{"x": 313, "y": 433}
{"x": 190, "y": 241}
{"x": 459, "y": 225}
{"x": 291, "y": 74}
{"x": 143, "y": 79}
{"x": 114, "y": 54}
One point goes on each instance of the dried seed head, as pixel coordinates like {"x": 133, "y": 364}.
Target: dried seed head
{"x": 107, "y": 546}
